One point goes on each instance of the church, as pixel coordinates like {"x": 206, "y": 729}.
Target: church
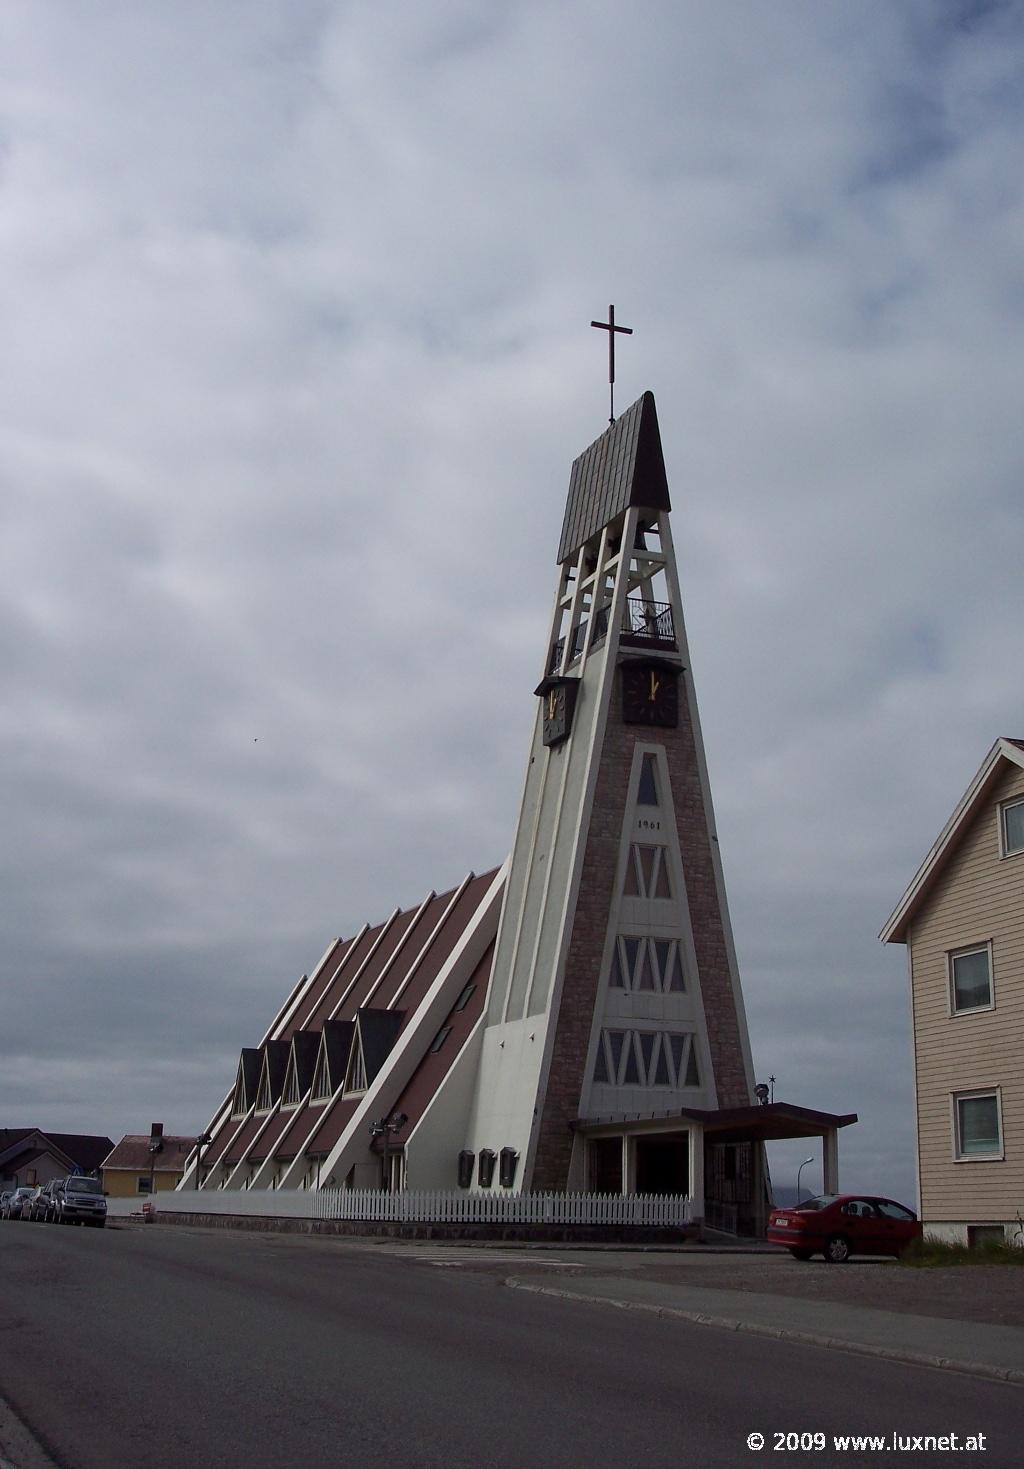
{"x": 572, "y": 1020}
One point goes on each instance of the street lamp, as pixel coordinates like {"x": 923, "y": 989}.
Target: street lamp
{"x": 385, "y": 1128}
{"x": 201, "y": 1142}
{"x": 800, "y": 1170}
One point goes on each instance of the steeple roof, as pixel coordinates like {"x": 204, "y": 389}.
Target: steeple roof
{"x": 624, "y": 467}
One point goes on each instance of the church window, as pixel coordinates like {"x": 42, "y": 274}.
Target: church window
{"x": 239, "y": 1105}
{"x": 602, "y": 1075}
{"x": 321, "y": 1077}
{"x": 291, "y": 1096}
{"x": 263, "y": 1098}
{"x": 485, "y": 1167}
{"x": 646, "y": 1058}
{"x": 465, "y": 997}
{"x": 647, "y": 874}
{"x": 647, "y": 793}
{"x": 355, "y": 1081}
{"x": 692, "y": 1074}
{"x": 466, "y": 1161}
{"x": 646, "y": 964}
{"x": 644, "y": 973}
{"x": 439, "y": 1039}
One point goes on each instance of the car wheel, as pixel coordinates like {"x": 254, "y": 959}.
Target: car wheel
{"x": 800, "y": 1254}
{"x": 837, "y": 1250}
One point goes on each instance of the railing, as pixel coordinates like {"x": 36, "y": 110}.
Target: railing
{"x": 426, "y": 1206}
{"x": 644, "y": 622}
{"x": 648, "y": 621}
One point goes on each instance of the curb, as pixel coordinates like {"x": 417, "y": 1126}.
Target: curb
{"x": 776, "y": 1333}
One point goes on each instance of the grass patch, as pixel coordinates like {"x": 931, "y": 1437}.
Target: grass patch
{"x": 931, "y": 1252}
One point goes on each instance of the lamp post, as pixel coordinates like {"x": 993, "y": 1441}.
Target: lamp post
{"x": 800, "y": 1170}
{"x": 385, "y": 1128}
{"x": 201, "y": 1141}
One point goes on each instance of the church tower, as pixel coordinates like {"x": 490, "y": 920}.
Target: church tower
{"x": 614, "y": 991}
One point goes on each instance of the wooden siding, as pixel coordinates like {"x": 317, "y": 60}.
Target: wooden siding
{"x": 978, "y": 899}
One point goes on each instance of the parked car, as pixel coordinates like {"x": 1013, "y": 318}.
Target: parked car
{"x": 840, "y": 1225}
{"x": 4, "y": 1199}
{"x": 44, "y": 1204}
{"x": 79, "y": 1200}
{"x": 17, "y": 1201}
{"x": 30, "y": 1208}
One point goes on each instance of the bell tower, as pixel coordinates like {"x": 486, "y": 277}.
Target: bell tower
{"x": 614, "y": 989}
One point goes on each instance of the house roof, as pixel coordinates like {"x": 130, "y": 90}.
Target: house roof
{"x": 85, "y": 1151}
{"x": 1003, "y": 753}
{"x": 132, "y": 1152}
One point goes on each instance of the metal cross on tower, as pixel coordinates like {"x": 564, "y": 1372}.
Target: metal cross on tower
{"x": 610, "y": 327}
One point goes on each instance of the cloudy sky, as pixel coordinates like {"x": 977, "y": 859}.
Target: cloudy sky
{"x": 295, "y": 358}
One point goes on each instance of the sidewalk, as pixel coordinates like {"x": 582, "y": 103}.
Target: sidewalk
{"x": 959, "y": 1346}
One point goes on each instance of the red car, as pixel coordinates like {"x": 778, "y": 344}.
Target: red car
{"x": 840, "y": 1225}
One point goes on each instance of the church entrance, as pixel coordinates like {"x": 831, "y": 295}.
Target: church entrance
{"x": 606, "y": 1165}
{"x": 663, "y": 1163}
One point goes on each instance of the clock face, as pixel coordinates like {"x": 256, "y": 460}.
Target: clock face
{"x": 557, "y": 703}
{"x": 650, "y": 695}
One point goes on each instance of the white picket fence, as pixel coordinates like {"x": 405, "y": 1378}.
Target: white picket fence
{"x": 442, "y": 1207}
{"x": 429, "y": 1206}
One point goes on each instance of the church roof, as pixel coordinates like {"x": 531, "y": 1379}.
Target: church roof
{"x": 624, "y": 467}
{"x": 374, "y": 988}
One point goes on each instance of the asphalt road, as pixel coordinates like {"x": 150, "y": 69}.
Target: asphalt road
{"x": 177, "y": 1349}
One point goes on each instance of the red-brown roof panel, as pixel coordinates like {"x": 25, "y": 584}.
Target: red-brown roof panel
{"x": 390, "y": 936}
{"x": 435, "y": 1065}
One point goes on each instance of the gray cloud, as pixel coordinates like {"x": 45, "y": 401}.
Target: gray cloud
{"x": 296, "y": 360}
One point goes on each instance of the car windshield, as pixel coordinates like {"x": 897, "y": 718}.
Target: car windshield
{"x": 82, "y": 1186}
{"x": 822, "y": 1202}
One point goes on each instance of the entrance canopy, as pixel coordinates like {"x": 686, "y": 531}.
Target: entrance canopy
{"x": 770, "y": 1123}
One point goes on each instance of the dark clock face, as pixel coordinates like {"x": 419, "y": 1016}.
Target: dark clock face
{"x": 557, "y": 703}
{"x": 650, "y": 696}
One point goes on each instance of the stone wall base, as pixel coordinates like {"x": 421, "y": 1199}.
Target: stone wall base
{"x": 355, "y": 1228}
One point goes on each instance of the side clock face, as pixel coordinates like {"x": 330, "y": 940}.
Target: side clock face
{"x": 557, "y": 704}
{"x": 650, "y": 696}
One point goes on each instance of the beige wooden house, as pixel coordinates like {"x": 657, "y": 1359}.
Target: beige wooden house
{"x": 962, "y": 920}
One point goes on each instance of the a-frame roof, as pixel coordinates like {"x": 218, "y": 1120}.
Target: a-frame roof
{"x": 1004, "y": 752}
{"x": 623, "y": 467}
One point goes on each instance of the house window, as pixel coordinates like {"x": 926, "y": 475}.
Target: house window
{"x": 1012, "y": 823}
{"x": 970, "y": 979}
{"x": 978, "y": 1125}
{"x": 439, "y": 1039}
{"x": 465, "y": 997}
{"x": 144, "y": 1185}
{"x": 646, "y": 1058}
{"x": 356, "y": 1079}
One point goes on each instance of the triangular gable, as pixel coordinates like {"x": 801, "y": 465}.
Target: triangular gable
{"x": 1003, "y": 752}
{"x": 272, "y": 1073}
{"x": 247, "y": 1080}
{"x": 377, "y": 1030}
{"x": 332, "y": 1059}
{"x": 302, "y": 1054}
